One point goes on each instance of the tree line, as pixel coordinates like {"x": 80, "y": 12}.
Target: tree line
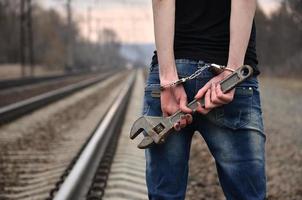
{"x": 279, "y": 39}
{"x": 51, "y": 33}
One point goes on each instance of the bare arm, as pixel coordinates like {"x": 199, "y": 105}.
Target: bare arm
{"x": 164, "y": 18}
{"x": 242, "y": 14}
{"x": 174, "y": 98}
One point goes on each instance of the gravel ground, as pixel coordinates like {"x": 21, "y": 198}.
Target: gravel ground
{"x": 37, "y": 148}
{"x": 281, "y": 100}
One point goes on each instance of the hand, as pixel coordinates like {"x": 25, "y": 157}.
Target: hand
{"x": 214, "y": 97}
{"x": 173, "y": 99}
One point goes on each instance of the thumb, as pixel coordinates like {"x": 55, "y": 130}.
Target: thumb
{"x": 202, "y": 91}
{"x": 165, "y": 114}
{"x": 183, "y": 105}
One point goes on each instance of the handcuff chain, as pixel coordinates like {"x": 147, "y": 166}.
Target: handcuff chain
{"x": 216, "y": 69}
{"x": 198, "y": 72}
{"x": 182, "y": 80}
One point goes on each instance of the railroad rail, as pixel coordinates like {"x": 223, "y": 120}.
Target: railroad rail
{"x": 93, "y": 163}
{"x": 18, "y": 109}
{"x": 9, "y": 83}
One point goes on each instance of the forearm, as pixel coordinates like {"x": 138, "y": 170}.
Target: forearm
{"x": 164, "y": 20}
{"x": 242, "y": 15}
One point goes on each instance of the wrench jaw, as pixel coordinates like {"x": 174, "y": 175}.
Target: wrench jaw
{"x": 138, "y": 127}
{"x": 153, "y": 138}
{"x": 146, "y": 143}
{"x": 141, "y": 125}
{"x": 155, "y": 128}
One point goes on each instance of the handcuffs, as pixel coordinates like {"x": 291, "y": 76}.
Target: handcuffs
{"x": 214, "y": 68}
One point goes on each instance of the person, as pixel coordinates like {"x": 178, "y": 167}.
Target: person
{"x": 188, "y": 35}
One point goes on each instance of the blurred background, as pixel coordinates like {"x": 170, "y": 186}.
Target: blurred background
{"x": 58, "y": 35}
{"x": 54, "y": 38}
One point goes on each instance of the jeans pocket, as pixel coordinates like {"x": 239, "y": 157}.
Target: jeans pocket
{"x": 236, "y": 114}
{"x": 151, "y": 104}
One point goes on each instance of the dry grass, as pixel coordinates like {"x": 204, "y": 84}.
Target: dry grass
{"x": 11, "y": 71}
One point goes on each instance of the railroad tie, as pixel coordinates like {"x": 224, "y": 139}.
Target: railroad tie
{"x": 127, "y": 177}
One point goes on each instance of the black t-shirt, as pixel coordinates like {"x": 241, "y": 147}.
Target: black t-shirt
{"x": 202, "y": 32}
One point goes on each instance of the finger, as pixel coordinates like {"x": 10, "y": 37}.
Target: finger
{"x": 202, "y": 91}
{"x": 169, "y": 110}
{"x": 199, "y": 108}
{"x": 177, "y": 126}
{"x": 166, "y": 111}
{"x": 183, "y": 105}
{"x": 202, "y": 110}
{"x": 214, "y": 98}
{"x": 225, "y": 98}
{"x": 165, "y": 114}
{"x": 207, "y": 99}
{"x": 208, "y": 103}
{"x": 189, "y": 118}
{"x": 219, "y": 89}
{"x": 183, "y": 122}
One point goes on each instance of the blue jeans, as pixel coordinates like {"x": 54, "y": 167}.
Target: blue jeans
{"x": 233, "y": 133}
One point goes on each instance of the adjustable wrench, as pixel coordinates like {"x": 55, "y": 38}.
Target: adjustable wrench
{"x": 158, "y": 128}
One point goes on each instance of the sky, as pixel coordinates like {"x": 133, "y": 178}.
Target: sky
{"x": 131, "y": 19}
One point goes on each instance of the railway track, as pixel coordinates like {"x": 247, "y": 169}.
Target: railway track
{"x": 117, "y": 171}
{"x": 30, "y": 166}
{"x": 24, "y": 106}
{"x": 88, "y": 177}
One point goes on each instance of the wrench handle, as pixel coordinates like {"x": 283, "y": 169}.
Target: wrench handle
{"x": 227, "y": 84}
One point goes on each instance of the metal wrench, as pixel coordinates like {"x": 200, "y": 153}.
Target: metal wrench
{"x": 158, "y": 128}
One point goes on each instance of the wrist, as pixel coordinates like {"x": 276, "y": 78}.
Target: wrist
{"x": 226, "y": 73}
{"x": 168, "y": 74}
{"x": 234, "y": 65}
{"x": 167, "y": 81}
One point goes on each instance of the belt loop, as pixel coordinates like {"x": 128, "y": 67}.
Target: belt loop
{"x": 152, "y": 66}
{"x": 200, "y": 63}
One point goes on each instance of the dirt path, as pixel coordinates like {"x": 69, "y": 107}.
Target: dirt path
{"x": 281, "y": 100}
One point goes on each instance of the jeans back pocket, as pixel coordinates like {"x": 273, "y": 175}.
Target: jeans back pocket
{"x": 237, "y": 113}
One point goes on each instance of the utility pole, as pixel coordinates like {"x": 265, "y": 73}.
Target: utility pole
{"x": 30, "y": 37}
{"x": 22, "y": 38}
{"x": 26, "y": 37}
{"x": 70, "y": 36}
